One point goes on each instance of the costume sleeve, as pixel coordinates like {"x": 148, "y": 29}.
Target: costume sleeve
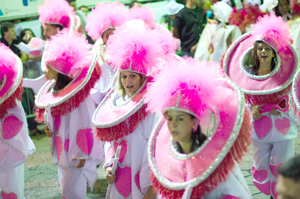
{"x": 145, "y": 180}
{"x": 178, "y": 22}
{"x": 82, "y": 143}
{"x": 109, "y": 155}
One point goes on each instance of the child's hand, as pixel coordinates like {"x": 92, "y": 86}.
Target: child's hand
{"x": 81, "y": 163}
{"x": 110, "y": 178}
{"x": 48, "y": 133}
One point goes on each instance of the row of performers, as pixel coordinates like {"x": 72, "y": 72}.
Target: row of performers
{"x": 172, "y": 125}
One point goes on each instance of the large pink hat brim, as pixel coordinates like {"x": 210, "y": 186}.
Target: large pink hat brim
{"x": 195, "y": 169}
{"x": 279, "y": 81}
{"x": 13, "y": 81}
{"x": 45, "y": 96}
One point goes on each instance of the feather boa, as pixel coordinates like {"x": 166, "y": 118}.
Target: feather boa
{"x": 221, "y": 173}
{"x": 124, "y": 128}
{"x": 11, "y": 101}
{"x": 72, "y": 103}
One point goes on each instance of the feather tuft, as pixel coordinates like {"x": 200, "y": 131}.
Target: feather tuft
{"x": 143, "y": 13}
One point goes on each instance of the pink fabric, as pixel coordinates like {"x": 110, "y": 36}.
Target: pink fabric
{"x": 274, "y": 168}
{"x": 8, "y": 68}
{"x": 123, "y": 181}
{"x": 59, "y": 146}
{"x": 264, "y": 188}
{"x": 8, "y": 195}
{"x": 137, "y": 180}
{"x": 11, "y": 126}
{"x": 282, "y": 125}
{"x": 57, "y": 123}
{"x": 259, "y": 175}
{"x": 66, "y": 145}
{"x": 274, "y": 192}
{"x": 124, "y": 149}
{"x": 263, "y": 126}
{"x": 230, "y": 197}
{"x": 109, "y": 155}
{"x": 85, "y": 140}
{"x": 35, "y": 53}
{"x": 283, "y": 105}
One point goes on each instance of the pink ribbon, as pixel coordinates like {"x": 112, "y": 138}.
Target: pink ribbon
{"x": 282, "y": 105}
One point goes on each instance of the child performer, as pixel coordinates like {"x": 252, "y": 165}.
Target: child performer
{"x": 184, "y": 161}
{"x": 121, "y": 118}
{"x": 64, "y": 104}
{"x": 267, "y": 86}
{"x": 15, "y": 144}
{"x": 101, "y": 23}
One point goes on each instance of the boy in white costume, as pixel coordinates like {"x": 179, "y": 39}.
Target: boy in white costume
{"x": 15, "y": 144}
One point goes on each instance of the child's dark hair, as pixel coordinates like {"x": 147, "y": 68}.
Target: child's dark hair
{"x": 62, "y": 81}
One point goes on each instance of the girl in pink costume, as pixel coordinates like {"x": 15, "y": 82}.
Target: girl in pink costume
{"x": 64, "y": 104}
{"x": 185, "y": 162}
{"x": 15, "y": 144}
{"x": 121, "y": 118}
{"x": 101, "y": 23}
{"x": 267, "y": 86}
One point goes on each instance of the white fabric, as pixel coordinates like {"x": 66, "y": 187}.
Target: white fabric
{"x": 78, "y": 119}
{"x": 14, "y": 152}
{"x": 294, "y": 27}
{"x": 174, "y": 8}
{"x": 216, "y": 35}
{"x": 12, "y": 181}
{"x": 222, "y": 11}
{"x": 136, "y": 157}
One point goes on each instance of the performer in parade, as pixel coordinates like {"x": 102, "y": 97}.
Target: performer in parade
{"x": 185, "y": 161}
{"x": 15, "y": 144}
{"x": 64, "y": 104}
{"x": 266, "y": 83}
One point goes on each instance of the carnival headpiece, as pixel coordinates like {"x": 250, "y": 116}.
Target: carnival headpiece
{"x": 65, "y": 52}
{"x": 266, "y": 89}
{"x": 57, "y": 12}
{"x": 134, "y": 48}
{"x": 105, "y": 16}
{"x": 222, "y": 11}
{"x": 196, "y": 88}
{"x": 143, "y": 13}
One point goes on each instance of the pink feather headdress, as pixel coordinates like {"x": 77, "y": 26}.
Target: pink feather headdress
{"x": 56, "y": 12}
{"x": 7, "y": 61}
{"x": 134, "y": 47}
{"x": 65, "y": 52}
{"x": 105, "y": 16}
{"x": 143, "y": 13}
{"x": 273, "y": 31}
{"x": 187, "y": 85}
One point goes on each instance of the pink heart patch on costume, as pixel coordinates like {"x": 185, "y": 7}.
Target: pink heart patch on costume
{"x": 230, "y": 197}
{"x": 262, "y": 126}
{"x": 137, "y": 180}
{"x": 259, "y": 175}
{"x": 274, "y": 192}
{"x": 58, "y": 143}
{"x": 282, "y": 125}
{"x": 123, "y": 181}
{"x": 264, "y": 188}
{"x": 66, "y": 145}
{"x": 8, "y": 195}
{"x": 124, "y": 149}
{"x": 274, "y": 168}
{"x": 85, "y": 140}
{"x": 57, "y": 122}
{"x": 11, "y": 126}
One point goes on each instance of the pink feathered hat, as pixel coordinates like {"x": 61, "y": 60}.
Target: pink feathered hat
{"x": 105, "y": 16}
{"x": 266, "y": 89}
{"x": 65, "y": 52}
{"x": 197, "y": 88}
{"x": 11, "y": 72}
{"x": 143, "y": 13}
{"x": 133, "y": 47}
{"x": 56, "y": 12}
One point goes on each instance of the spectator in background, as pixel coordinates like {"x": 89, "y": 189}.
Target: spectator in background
{"x": 134, "y": 3}
{"x": 84, "y": 9}
{"x": 288, "y": 184}
{"x": 9, "y": 38}
{"x": 173, "y": 9}
{"x": 283, "y": 10}
{"x": 188, "y": 25}
{"x": 73, "y": 4}
{"x": 30, "y": 70}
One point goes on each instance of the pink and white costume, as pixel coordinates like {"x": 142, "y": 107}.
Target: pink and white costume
{"x": 15, "y": 144}
{"x": 104, "y": 17}
{"x": 68, "y": 113}
{"x": 273, "y": 136}
{"x": 210, "y": 171}
{"x": 125, "y": 121}
{"x": 213, "y": 40}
